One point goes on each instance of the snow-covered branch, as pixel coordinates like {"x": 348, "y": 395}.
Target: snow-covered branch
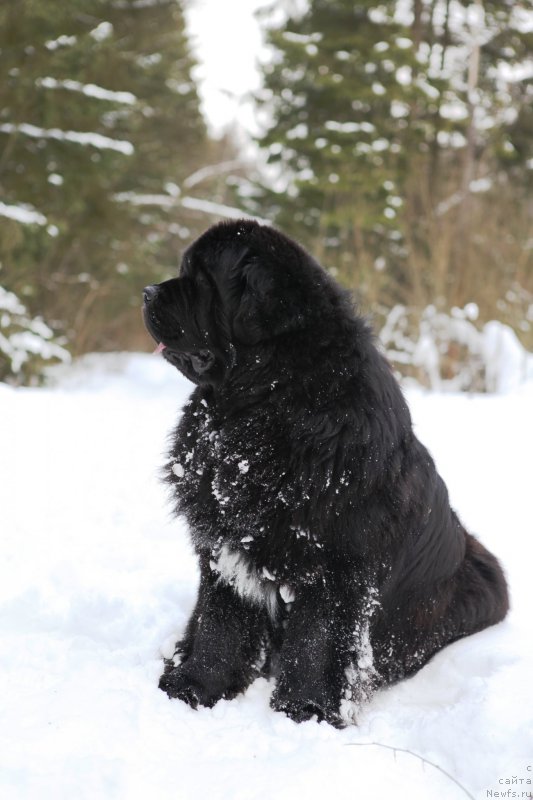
{"x": 211, "y": 171}
{"x": 26, "y": 342}
{"x": 78, "y": 137}
{"x": 24, "y": 213}
{"x": 208, "y": 207}
{"x": 88, "y": 89}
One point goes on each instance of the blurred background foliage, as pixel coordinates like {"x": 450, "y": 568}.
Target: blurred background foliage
{"x": 397, "y": 146}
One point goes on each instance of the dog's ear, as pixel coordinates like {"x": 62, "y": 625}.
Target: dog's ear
{"x": 269, "y": 304}
{"x": 256, "y": 298}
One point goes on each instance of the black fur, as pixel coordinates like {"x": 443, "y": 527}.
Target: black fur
{"x": 330, "y": 557}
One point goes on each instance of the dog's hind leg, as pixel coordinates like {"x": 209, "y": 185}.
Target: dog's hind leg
{"x": 480, "y": 598}
{"x": 472, "y": 599}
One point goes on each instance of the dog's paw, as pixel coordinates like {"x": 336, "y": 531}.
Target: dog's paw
{"x": 301, "y": 708}
{"x": 179, "y": 685}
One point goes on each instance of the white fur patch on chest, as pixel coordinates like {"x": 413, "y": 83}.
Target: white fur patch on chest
{"x": 236, "y": 570}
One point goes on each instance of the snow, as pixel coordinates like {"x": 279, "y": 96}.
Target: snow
{"x": 218, "y": 209}
{"x": 208, "y": 207}
{"x": 496, "y": 361}
{"x": 342, "y": 127}
{"x": 211, "y": 170}
{"x": 287, "y": 593}
{"x": 27, "y": 214}
{"x": 88, "y": 89}
{"x": 302, "y": 38}
{"x": 178, "y": 470}
{"x": 61, "y": 41}
{"x": 22, "y": 336}
{"x": 235, "y": 570}
{"x": 78, "y": 137}
{"x": 24, "y": 213}
{"x": 10, "y": 302}
{"x": 507, "y": 363}
{"x": 102, "y": 31}
{"x": 97, "y": 581}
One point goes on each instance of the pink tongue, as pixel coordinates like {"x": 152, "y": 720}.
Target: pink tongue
{"x": 160, "y": 347}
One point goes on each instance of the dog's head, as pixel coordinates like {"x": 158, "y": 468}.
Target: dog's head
{"x": 240, "y": 284}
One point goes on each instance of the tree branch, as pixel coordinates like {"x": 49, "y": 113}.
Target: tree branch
{"x": 416, "y": 755}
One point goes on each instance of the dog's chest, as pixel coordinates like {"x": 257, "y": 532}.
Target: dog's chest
{"x": 245, "y": 504}
{"x": 232, "y": 470}
{"x": 258, "y": 586}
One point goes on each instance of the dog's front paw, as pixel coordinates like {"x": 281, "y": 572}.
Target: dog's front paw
{"x": 181, "y": 686}
{"x": 303, "y": 706}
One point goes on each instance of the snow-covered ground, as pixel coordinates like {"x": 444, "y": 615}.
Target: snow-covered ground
{"x": 97, "y": 580}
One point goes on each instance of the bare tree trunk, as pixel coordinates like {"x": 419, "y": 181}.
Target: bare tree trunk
{"x": 472, "y": 103}
{"x": 469, "y": 162}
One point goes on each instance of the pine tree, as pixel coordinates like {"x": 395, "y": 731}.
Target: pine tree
{"x": 399, "y": 130}
{"x": 339, "y": 93}
{"x": 98, "y": 107}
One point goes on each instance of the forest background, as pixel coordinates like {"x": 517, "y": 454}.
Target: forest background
{"x": 394, "y": 140}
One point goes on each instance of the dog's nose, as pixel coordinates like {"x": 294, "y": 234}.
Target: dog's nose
{"x": 149, "y": 292}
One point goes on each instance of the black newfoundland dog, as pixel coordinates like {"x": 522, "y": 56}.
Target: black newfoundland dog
{"x": 329, "y": 555}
